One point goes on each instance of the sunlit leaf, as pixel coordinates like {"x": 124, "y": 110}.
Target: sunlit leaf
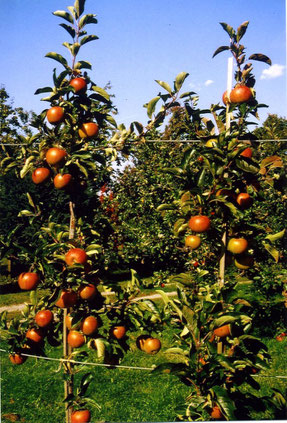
{"x": 79, "y": 6}
{"x": 179, "y": 80}
{"x": 43, "y": 90}
{"x": 225, "y": 403}
{"x": 83, "y": 65}
{"x": 241, "y": 30}
{"x": 164, "y": 85}
{"x": 65, "y": 15}
{"x": 151, "y": 106}
{"x": 275, "y": 237}
{"x": 88, "y": 38}
{"x": 271, "y": 250}
{"x": 260, "y": 58}
{"x": 58, "y": 58}
{"x": 230, "y": 31}
{"x": 69, "y": 29}
{"x": 220, "y": 49}
{"x": 87, "y": 19}
{"x": 101, "y": 91}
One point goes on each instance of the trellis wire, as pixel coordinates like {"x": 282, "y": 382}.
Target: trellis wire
{"x": 115, "y": 365}
{"x": 163, "y": 141}
{"x": 84, "y": 363}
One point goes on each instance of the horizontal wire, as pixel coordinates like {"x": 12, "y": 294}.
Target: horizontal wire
{"x": 164, "y": 141}
{"x": 116, "y": 365}
{"x": 84, "y": 363}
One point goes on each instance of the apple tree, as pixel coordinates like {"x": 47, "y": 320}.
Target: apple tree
{"x": 225, "y": 237}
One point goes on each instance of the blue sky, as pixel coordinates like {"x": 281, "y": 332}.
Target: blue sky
{"x": 143, "y": 40}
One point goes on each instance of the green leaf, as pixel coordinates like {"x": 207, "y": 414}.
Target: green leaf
{"x": 275, "y": 237}
{"x": 220, "y": 49}
{"x": 87, "y": 19}
{"x": 100, "y": 346}
{"x": 27, "y": 213}
{"x": 82, "y": 64}
{"x": 187, "y": 94}
{"x": 79, "y": 7}
{"x": 69, "y": 29}
{"x": 73, "y": 11}
{"x": 225, "y": 403}
{"x": 43, "y": 90}
{"x": 33, "y": 297}
{"x": 93, "y": 249}
{"x": 183, "y": 278}
{"x": 164, "y": 85}
{"x": 241, "y": 30}
{"x": 246, "y": 166}
{"x": 27, "y": 166}
{"x": 188, "y": 155}
{"x": 75, "y": 48}
{"x": 179, "y": 226}
{"x": 191, "y": 320}
{"x": 260, "y": 58}
{"x": 271, "y": 250}
{"x": 64, "y": 15}
{"x": 88, "y": 38}
{"x": 85, "y": 382}
{"x": 151, "y": 106}
{"x": 179, "y": 80}
{"x": 230, "y": 31}
{"x": 178, "y": 369}
{"x": 30, "y": 200}
{"x": 165, "y": 206}
{"x": 58, "y": 58}
{"x": 201, "y": 177}
{"x": 111, "y": 120}
{"x": 224, "y": 320}
{"x": 101, "y": 91}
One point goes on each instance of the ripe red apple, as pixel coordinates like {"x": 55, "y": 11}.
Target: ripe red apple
{"x": 55, "y": 114}
{"x": 55, "y": 156}
{"x": 43, "y": 318}
{"x": 68, "y": 298}
{"x": 76, "y": 256}
{"x": 40, "y": 175}
{"x": 192, "y": 241}
{"x": 28, "y": 280}
{"x": 118, "y": 331}
{"x": 89, "y": 129}
{"x": 79, "y": 85}
{"x": 247, "y": 152}
{"x": 237, "y": 245}
{"x": 244, "y": 200}
{"x": 240, "y": 94}
{"x": 199, "y": 223}
{"x": 62, "y": 181}
{"x": 87, "y": 292}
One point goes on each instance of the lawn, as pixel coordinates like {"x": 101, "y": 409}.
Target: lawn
{"x": 132, "y": 395}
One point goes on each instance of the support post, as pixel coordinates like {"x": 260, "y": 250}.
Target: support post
{"x": 67, "y": 350}
{"x": 224, "y": 235}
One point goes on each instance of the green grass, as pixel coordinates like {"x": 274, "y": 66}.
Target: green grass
{"x": 36, "y": 387}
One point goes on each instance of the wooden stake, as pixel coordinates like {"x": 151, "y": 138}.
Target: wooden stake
{"x": 224, "y": 236}
{"x": 67, "y": 350}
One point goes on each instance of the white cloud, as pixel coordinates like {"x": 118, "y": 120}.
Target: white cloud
{"x": 194, "y": 86}
{"x": 273, "y": 71}
{"x": 208, "y": 82}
